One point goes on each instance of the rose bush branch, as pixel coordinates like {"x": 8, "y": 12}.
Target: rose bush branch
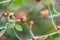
{"x": 47, "y": 35}
{"x": 5, "y": 1}
{"x": 6, "y": 8}
{"x": 52, "y": 17}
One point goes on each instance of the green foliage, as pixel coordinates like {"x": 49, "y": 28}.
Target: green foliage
{"x": 41, "y": 26}
{"x": 18, "y": 27}
{"x": 18, "y": 2}
{"x": 2, "y": 32}
{"x": 22, "y": 2}
{"x": 10, "y": 25}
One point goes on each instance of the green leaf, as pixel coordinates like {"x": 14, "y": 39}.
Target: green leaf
{"x": 11, "y": 20}
{"x": 11, "y": 13}
{"x": 10, "y": 25}
{"x": 22, "y": 2}
{"x": 2, "y": 32}
{"x": 18, "y": 27}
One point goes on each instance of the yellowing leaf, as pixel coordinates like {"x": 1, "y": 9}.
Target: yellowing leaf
{"x": 48, "y": 2}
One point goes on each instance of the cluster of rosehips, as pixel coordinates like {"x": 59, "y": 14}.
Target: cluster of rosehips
{"x": 23, "y": 18}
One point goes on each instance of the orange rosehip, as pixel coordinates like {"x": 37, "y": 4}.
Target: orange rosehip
{"x": 24, "y": 19}
{"x": 31, "y": 22}
{"x": 58, "y": 27}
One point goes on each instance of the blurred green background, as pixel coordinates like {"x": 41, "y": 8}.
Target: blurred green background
{"x": 41, "y": 26}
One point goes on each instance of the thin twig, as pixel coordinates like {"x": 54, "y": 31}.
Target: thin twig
{"x": 2, "y": 28}
{"x": 55, "y": 15}
{"x": 16, "y": 34}
{"x": 52, "y": 17}
{"x": 47, "y": 35}
{"x": 4, "y": 2}
{"x": 30, "y": 30}
{"x": 54, "y": 7}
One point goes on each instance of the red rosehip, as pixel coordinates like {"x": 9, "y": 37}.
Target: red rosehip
{"x": 5, "y": 14}
{"x": 58, "y": 27}
{"x": 31, "y": 22}
{"x": 24, "y": 19}
{"x": 38, "y": 0}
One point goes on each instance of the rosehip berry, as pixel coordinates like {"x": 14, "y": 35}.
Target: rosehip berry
{"x": 5, "y": 14}
{"x": 58, "y": 27}
{"x": 38, "y": 0}
{"x": 31, "y": 22}
{"x": 44, "y": 13}
{"x": 24, "y": 19}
